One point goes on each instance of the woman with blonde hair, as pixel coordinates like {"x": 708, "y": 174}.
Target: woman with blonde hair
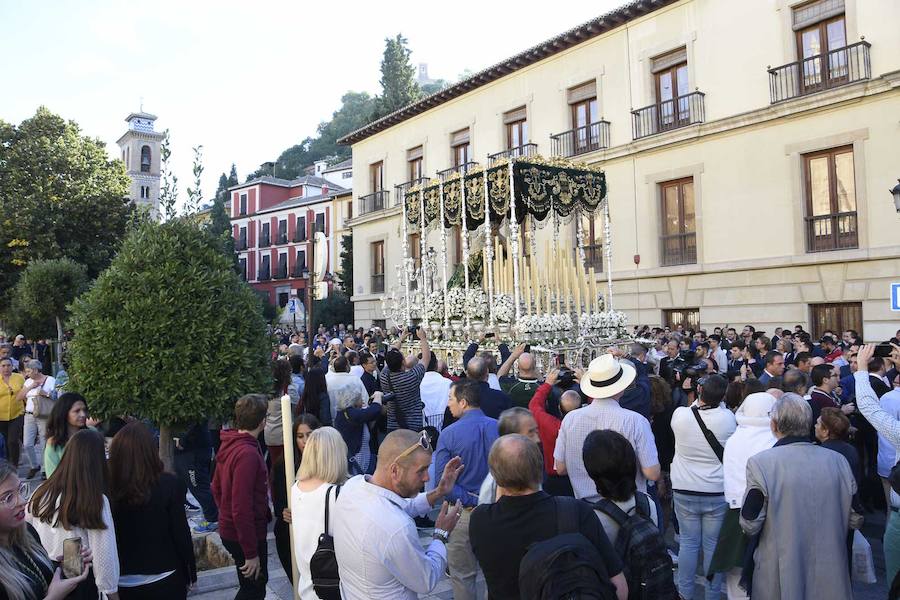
{"x": 322, "y": 471}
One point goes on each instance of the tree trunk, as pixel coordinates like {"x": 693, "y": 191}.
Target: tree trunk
{"x": 59, "y": 341}
{"x": 167, "y": 448}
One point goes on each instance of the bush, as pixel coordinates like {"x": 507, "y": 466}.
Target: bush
{"x": 39, "y": 301}
{"x": 168, "y": 332}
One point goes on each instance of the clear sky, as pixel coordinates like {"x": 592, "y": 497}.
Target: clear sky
{"x": 244, "y": 79}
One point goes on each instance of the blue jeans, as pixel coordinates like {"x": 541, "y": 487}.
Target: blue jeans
{"x": 700, "y": 518}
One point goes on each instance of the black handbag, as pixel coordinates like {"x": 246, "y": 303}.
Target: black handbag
{"x": 323, "y": 566}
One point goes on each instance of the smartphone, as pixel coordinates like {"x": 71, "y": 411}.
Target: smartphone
{"x": 72, "y": 561}
{"x": 527, "y": 348}
{"x": 489, "y": 335}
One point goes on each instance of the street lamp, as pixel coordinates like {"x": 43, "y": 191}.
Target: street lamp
{"x": 896, "y": 194}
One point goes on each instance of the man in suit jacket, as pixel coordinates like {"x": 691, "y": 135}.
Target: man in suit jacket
{"x": 492, "y": 402}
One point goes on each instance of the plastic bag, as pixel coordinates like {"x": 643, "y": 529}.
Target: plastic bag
{"x": 863, "y": 567}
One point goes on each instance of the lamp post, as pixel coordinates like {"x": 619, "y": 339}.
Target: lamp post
{"x": 896, "y": 194}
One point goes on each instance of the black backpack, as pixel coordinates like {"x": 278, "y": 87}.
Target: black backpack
{"x": 566, "y": 566}
{"x": 640, "y": 545}
{"x": 323, "y": 565}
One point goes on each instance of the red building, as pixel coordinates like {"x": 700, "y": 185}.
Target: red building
{"x": 273, "y": 221}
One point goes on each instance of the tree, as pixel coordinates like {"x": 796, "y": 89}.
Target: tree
{"x": 41, "y": 297}
{"x": 168, "y": 332}
{"x": 346, "y": 275}
{"x": 195, "y": 194}
{"x": 168, "y": 190}
{"x": 334, "y": 309}
{"x": 398, "y": 86}
{"x": 60, "y": 196}
{"x": 434, "y": 87}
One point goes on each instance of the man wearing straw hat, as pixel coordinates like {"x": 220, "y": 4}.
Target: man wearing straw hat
{"x": 605, "y": 382}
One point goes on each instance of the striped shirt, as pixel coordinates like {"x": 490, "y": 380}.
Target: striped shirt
{"x": 603, "y": 414}
{"x": 407, "y": 400}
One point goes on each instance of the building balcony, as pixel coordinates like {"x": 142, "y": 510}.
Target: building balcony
{"x": 374, "y": 202}
{"x": 461, "y": 169}
{"x": 580, "y": 140}
{"x": 678, "y": 249}
{"x": 835, "y": 68}
{"x": 264, "y": 242}
{"x": 299, "y": 237}
{"x": 378, "y": 283}
{"x": 400, "y": 190}
{"x": 517, "y": 152}
{"x": 831, "y": 232}
{"x": 667, "y": 115}
{"x": 300, "y": 272}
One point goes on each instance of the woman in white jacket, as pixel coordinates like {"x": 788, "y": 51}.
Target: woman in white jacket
{"x": 752, "y": 436}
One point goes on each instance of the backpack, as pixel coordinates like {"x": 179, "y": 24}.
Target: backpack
{"x": 648, "y": 566}
{"x": 323, "y": 565}
{"x": 566, "y": 566}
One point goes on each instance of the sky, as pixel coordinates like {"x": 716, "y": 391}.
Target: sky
{"x": 245, "y": 80}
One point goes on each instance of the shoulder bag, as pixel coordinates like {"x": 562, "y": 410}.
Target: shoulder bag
{"x": 713, "y": 442}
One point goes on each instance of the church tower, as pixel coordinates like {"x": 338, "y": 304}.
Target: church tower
{"x": 140, "y": 153}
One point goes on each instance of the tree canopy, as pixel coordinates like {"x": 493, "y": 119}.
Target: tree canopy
{"x": 168, "y": 332}
{"x": 398, "y": 85}
{"x": 60, "y": 196}
{"x": 41, "y": 297}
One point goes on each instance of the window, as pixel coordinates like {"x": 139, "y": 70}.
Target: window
{"x": 830, "y": 200}
{"x": 414, "y": 163}
{"x": 583, "y": 103}
{"x": 349, "y": 209}
{"x": 516, "y": 128}
{"x": 376, "y": 176}
{"x": 264, "y": 238}
{"x": 670, "y": 73}
{"x": 460, "y": 149}
{"x": 282, "y": 231}
{"x": 591, "y": 228}
{"x": 300, "y": 233}
{"x": 320, "y": 222}
{"x": 377, "y": 267}
{"x": 678, "y": 240}
{"x": 243, "y": 204}
{"x": 688, "y": 318}
{"x": 265, "y": 268}
{"x": 300, "y": 265}
{"x": 242, "y": 238}
{"x": 347, "y": 175}
{"x": 415, "y": 253}
{"x": 283, "y": 299}
{"x": 242, "y": 268}
{"x": 282, "y": 265}
{"x": 821, "y": 31}
{"x": 145, "y": 159}
{"x": 839, "y": 316}
{"x": 380, "y": 323}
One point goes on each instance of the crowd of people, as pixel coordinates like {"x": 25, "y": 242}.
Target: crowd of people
{"x": 570, "y": 481}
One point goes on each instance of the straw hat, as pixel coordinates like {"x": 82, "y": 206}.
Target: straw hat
{"x": 606, "y": 377}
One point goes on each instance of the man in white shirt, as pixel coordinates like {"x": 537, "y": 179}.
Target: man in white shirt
{"x": 434, "y": 391}
{"x": 342, "y": 384}
{"x": 718, "y": 354}
{"x": 375, "y": 538}
{"x": 887, "y": 454}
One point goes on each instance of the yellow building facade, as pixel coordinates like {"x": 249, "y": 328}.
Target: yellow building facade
{"x": 748, "y": 146}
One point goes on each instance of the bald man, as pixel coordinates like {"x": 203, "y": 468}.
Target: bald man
{"x": 492, "y": 402}
{"x": 375, "y": 538}
{"x": 521, "y": 389}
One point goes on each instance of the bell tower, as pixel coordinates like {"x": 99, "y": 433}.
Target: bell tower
{"x": 140, "y": 153}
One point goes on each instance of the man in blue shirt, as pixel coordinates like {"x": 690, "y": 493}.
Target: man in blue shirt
{"x": 470, "y": 438}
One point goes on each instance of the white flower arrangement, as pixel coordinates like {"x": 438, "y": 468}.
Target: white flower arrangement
{"x": 503, "y": 308}
{"x": 477, "y": 305}
{"x": 456, "y": 301}
{"x": 435, "y": 311}
{"x": 527, "y": 324}
{"x": 561, "y": 322}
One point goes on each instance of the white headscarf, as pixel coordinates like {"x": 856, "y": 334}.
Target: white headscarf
{"x": 752, "y": 436}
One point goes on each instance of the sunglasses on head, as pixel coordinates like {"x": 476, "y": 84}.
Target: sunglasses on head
{"x": 424, "y": 443}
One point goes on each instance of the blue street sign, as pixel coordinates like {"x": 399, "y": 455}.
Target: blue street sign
{"x": 292, "y": 305}
{"x": 895, "y": 297}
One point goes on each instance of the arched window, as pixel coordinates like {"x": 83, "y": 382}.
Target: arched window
{"x": 145, "y": 159}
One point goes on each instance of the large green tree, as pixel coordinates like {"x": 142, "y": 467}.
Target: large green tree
{"x": 60, "y": 196}
{"x": 398, "y": 85}
{"x": 41, "y": 297}
{"x": 168, "y": 332}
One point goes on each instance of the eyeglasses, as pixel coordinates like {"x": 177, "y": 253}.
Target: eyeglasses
{"x": 24, "y": 492}
{"x": 424, "y": 443}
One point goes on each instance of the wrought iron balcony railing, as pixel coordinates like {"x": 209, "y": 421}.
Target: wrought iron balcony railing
{"x": 281, "y": 273}
{"x": 517, "y": 152}
{"x": 678, "y": 249}
{"x": 461, "y": 169}
{"x": 374, "y": 202}
{"x": 580, "y": 140}
{"x": 832, "y": 69}
{"x": 668, "y": 115}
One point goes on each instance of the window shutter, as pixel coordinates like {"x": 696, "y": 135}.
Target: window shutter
{"x": 514, "y": 116}
{"x": 585, "y": 91}
{"x": 812, "y": 13}
{"x": 414, "y": 153}
{"x": 460, "y": 137}
{"x": 661, "y": 63}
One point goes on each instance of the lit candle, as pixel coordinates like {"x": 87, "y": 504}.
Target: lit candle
{"x": 556, "y": 289}
{"x": 595, "y": 304}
